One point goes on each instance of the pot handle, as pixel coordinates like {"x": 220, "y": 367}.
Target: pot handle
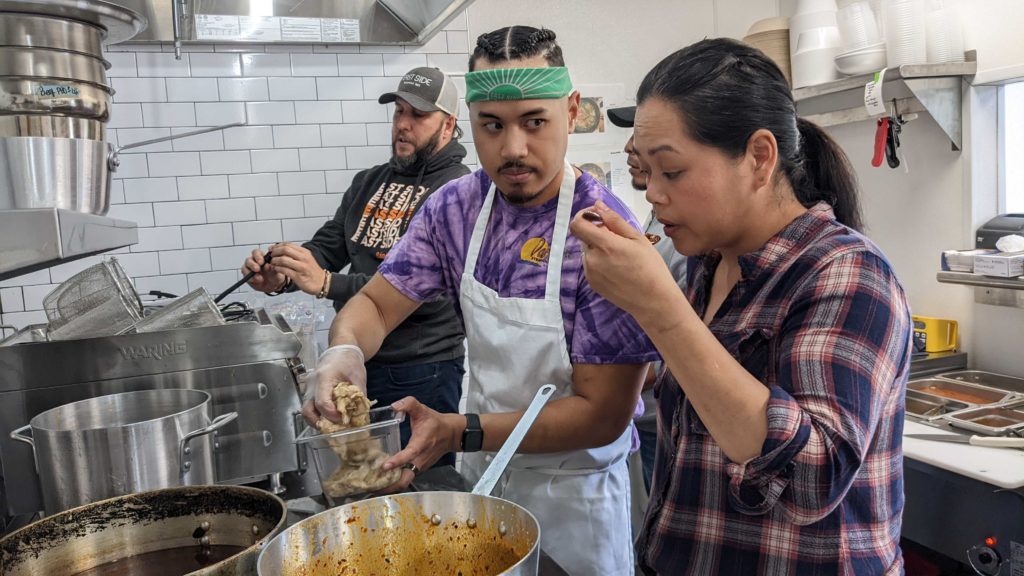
{"x": 485, "y": 485}
{"x": 18, "y": 434}
{"x": 185, "y": 451}
{"x": 114, "y": 154}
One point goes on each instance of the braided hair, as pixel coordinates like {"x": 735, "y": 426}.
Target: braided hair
{"x": 517, "y": 43}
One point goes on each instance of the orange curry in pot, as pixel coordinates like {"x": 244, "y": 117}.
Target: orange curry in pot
{"x": 409, "y": 543}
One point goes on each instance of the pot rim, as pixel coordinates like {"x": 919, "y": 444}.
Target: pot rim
{"x": 57, "y": 52}
{"x": 199, "y": 394}
{"x": 185, "y": 491}
{"x": 318, "y": 517}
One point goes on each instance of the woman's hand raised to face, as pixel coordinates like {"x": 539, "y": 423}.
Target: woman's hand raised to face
{"x": 620, "y": 262}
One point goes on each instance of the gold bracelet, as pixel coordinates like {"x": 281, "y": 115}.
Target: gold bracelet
{"x": 327, "y": 284}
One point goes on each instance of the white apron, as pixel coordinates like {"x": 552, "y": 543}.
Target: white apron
{"x": 515, "y": 346}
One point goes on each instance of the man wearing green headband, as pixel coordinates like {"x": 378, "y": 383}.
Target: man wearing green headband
{"x": 497, "y": 242}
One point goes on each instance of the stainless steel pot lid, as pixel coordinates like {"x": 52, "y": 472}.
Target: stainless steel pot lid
{"x": 120, "y": 23}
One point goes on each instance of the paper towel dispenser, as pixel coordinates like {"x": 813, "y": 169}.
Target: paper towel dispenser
{"x": 295, "y": 21}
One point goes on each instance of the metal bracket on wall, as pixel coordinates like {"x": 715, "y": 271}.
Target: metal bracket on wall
{"x": 933, "y": 89}
{"x": 987, "y": 290}
{"x": 942, "y": 99}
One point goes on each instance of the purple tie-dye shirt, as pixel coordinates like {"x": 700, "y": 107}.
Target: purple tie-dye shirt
{"x": 429, "y": 260}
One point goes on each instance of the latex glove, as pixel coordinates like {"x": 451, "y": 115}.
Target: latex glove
{"x": 433, "y": 435}
{"x": 621, "y": 265}
{"x": 298, "y": 264}
{"x": 342, "y": 363}
{"x": 267, "y": 279}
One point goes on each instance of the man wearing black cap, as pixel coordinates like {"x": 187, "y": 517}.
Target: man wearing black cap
{"x": 423, "y": 357}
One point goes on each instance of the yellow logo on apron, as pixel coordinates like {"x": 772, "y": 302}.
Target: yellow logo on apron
{"x": 535, "y": 251}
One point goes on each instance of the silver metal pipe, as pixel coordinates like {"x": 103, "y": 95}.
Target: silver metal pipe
{"x": 177, "y": 136}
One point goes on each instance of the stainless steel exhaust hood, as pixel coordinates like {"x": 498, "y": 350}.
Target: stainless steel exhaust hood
{"x": 305, "y": 21}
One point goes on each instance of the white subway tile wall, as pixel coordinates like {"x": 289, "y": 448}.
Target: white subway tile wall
{"x": 172, "y": 164}
{"x": 203, "y": 203}
{"x": 192, "y": 90}
{"x": 288, "y": 88}
{"x": 264, "y": 184}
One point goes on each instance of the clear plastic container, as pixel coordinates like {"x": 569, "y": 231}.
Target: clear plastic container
{"x": 905, "y": 32}
{"x": 858, "y": 26}
{"x": 348, "y": 462}
{"x": 944, "y": 32}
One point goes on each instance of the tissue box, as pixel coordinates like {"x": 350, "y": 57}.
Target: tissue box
{"x": 1002, "y": 264}
{"x": 962, "y": 260}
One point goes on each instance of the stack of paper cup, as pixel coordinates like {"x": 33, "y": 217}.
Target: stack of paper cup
{"x": 814, "y": 42}
{"x": 858, "y": 25}
{"x": 905, "y": 32}
{"x": 944, "y": 32}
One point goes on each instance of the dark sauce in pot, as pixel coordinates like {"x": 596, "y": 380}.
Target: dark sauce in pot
{"x": 171, "y": 562}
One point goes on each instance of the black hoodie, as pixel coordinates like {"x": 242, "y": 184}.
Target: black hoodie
{"x": 374, "y": 213}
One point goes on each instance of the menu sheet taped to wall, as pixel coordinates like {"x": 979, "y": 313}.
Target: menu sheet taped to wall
{"x": 275, "y": 29}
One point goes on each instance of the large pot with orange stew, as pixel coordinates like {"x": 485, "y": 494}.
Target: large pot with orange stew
{"x": 420, "y": 533}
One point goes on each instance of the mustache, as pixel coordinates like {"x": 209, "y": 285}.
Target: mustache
{"x": 514, "y": 165}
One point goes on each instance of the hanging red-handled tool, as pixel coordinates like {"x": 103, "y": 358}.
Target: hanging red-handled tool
{"x": 881, "y": 141}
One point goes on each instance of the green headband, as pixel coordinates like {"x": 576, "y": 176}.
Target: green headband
{"x": 518, "y": 84}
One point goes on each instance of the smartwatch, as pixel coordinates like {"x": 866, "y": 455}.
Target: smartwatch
{"x": 473, "y": 435}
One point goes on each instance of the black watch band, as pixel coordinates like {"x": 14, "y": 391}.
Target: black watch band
{"x": 473, "y": 435}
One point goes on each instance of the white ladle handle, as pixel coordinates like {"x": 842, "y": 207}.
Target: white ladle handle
{"x": 494, "y": 471}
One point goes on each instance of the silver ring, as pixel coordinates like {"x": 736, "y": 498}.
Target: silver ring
{"x": 410, "y": 466}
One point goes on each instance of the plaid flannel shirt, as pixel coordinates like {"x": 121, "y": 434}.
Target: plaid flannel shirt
{"x": 820, "y": 319}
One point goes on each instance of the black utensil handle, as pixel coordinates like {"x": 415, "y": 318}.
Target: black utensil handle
{"x": 234, "y": 287}
{"x": 238, "y": 284}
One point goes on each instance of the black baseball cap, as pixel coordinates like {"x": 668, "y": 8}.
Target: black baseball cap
{"x": 427, "y": 90}
{"x": 622, "y": 117}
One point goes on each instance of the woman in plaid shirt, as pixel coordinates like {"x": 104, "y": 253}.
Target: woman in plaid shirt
{"x": 780, "y": 416}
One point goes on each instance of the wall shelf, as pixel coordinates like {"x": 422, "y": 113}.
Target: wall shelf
{"x": 42, "y": 237}
{"x": 934, "y": 89}
{"x": 987, "y": 289}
